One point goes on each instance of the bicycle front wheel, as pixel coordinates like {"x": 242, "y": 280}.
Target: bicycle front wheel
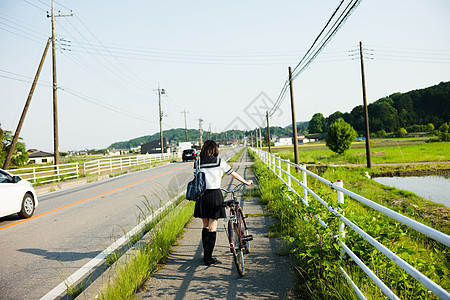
{"x": 238, "y": 254}
{"x": 245, "y": 243}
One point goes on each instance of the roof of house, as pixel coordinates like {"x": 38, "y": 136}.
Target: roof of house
{"x": 40, "y": 154}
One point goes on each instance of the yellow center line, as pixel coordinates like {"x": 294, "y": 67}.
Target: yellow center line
{"x": 99, "y": 195}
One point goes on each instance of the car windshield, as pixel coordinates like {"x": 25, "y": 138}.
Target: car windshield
{"x": 190, "y": 151}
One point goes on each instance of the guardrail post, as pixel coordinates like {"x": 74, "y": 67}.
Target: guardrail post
{"x": 340, "y": 199}
{"x": 288, "y": 171}
{"x": 57, "y": 171}
{"x": 34, "y": 174}
{"x": 305, "y": 182}
{"x": 98, "y": 166}
{"x": 121, "y": 163}
{"x": 78, "y": 172}
{"x": 279, "y": 166}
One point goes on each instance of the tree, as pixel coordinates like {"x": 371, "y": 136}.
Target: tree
{"x": 402, "y": 132}
{"x": 20, "y": 155}
{"x": 430, "y": 127}
{"x": 381, "y": 133}
{"x": 340, "y": 136}
{"x": 317, "y": 123}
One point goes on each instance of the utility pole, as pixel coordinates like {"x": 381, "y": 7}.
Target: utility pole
{"x": 201, "y": 131}
{"x": 209, "y": 132}
{"x": 366, "y": 111}
{"x": 55, "y": 86}
{"x": 260, "y": 138}
{"x": 185, "y": 124}
{"x": 294, "y": 122}
{"x": 161, "y": 92}
{"x": 25, "y": 109}
{"x": 268, "y": 128}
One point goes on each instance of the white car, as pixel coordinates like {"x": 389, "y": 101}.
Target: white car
{"x": 17, "y": 196}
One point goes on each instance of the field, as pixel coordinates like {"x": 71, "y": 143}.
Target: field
{"x": 382, "y": 151}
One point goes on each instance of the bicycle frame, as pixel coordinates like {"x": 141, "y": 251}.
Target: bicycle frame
{"x": 236, "y": 230}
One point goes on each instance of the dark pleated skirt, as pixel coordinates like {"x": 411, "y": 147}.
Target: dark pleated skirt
{"x": 210, "y": 205}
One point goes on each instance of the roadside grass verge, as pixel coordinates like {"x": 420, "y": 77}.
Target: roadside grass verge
{"x": 237, "y": 155}
{"x": 317, "y": 256}
{"x": 134, "y": 272}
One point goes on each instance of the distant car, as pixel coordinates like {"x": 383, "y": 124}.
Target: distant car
{"x": 17, "y": 196}
{"x": 189, "y": 154}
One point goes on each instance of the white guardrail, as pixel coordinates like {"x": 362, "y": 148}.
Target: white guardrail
{"x": 45, "y": 174}
{"x": 110, "y": 164}
{"x": 276, "y": 165}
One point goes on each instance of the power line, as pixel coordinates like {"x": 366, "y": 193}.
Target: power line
{"x": 311, "y": 55}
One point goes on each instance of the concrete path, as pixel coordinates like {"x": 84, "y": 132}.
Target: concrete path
{"x": 268, "y": 276}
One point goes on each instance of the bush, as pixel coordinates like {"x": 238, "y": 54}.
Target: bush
{"x": 340, "y": 136}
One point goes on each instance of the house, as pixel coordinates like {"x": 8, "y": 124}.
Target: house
{"x": 154, "y": 147}
{"x": 41, "y": 157}
{"x": 283, "y": 141}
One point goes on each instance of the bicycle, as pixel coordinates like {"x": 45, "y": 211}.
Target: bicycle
{"x": 237, "y": 230}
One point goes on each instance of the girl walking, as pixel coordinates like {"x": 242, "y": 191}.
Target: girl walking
{"x": 209, "y": 208}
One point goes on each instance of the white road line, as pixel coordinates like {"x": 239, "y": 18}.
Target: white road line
{"x": 62, "y": 287}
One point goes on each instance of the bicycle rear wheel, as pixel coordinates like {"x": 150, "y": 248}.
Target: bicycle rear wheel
{"x": 238, "y": 254}
{"x": 245, "y": 243}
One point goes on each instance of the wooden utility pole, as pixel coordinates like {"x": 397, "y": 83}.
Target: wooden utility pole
{"x": 55, "y": 86}
{"x": 160, "y": 91}
{"x": 25, "y": 109}
{"x": 268, "y": 128}
{"x": 294, "y": 122}
{"x": 260, "y": 138}
{"x": 366, "y": 111}
{"x": 200, "y": 129}
{"x": 185, "y": 125}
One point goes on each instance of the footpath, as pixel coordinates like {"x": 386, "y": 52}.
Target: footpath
{"x": 268, "y": 275}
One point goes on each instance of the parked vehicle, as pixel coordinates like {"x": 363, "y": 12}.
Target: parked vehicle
{"x": 189, "y": 154}
{"x": 17, "y": 196}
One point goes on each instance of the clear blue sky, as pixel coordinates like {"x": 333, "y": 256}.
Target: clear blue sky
{"x": 213, "y": 59}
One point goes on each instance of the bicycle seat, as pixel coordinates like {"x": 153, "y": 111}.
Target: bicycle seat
{"x": 230, "y": 202}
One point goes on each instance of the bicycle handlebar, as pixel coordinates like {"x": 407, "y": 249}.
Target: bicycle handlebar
{"x": 233, "y": 190}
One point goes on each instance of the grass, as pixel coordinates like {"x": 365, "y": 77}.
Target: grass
{"x": 237, "y": 155}
{"x": 134, "y": 272}
{"x": 382, "y": 151}
{"x": 316, "y": 258}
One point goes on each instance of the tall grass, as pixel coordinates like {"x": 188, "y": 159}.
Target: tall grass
{"x": 131, "y": 275}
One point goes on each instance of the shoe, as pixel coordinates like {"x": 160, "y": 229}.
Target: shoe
{"x": 210, "y": 261}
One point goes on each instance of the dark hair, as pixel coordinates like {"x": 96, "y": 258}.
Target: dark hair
{"x": 210, "y": 149}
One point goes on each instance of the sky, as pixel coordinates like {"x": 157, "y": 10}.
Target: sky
{"x": 222, "y": 62}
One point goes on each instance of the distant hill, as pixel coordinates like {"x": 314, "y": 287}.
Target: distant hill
{"x": 399, "y": 110}
{"x": 178, "y": 135}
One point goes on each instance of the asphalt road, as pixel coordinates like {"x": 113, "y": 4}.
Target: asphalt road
{"x": 70, "y": 227}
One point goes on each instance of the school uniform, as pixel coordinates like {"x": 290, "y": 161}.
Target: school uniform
{"x": 210, "y": 204}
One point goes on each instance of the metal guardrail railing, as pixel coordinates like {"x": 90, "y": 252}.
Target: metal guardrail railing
{"x": 275, "y": 164}
{"x": 45, "y": 174}
{"x": 110, "y": 164}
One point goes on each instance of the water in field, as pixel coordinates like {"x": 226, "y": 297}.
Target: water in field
{"x": 434, "y": 188}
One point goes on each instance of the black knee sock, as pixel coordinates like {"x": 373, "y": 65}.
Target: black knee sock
{"x": 204, "y": 239}
{"x": 211, "y": 242}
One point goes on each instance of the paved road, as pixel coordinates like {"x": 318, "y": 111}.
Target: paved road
{"x": 184, "y": 276}
{"x": 72, "y": 226}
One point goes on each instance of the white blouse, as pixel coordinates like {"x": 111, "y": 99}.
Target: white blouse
{"x": 213, "y": 167}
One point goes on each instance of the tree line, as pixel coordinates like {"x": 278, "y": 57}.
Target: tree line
{"x": 414, "y": 111}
